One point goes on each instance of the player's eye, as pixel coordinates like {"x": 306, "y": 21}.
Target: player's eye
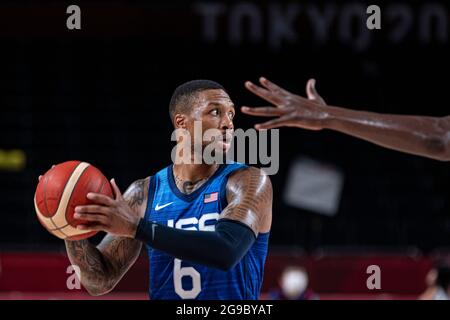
{"x": 231, "y": 115}
{"x": 214, "y": 112}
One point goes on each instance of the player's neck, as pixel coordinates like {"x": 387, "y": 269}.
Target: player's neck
{"x": 194, "y": 172}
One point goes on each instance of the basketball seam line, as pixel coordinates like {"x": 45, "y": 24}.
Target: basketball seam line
{"x": 98, "y": 191}
{"x": 51, "y": 219}
{"x": 71, "y": 194}
{"x": 45, "y": 190}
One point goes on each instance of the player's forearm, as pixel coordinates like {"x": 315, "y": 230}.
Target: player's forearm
{"x": 96, "y": 273}
{"x": 425, "y": 136}
{"x": 221, "y": 249}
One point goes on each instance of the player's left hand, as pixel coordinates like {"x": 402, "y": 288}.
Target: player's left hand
{"x": 114, "y": 216}
{"x": 290, "y": 109}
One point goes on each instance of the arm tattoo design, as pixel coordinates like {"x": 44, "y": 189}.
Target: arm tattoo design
{"x": 103, "y": 266}
{"x": 92, "y": 264}
{"x": 249, "y": 195}
{"x": 136, "y": 193}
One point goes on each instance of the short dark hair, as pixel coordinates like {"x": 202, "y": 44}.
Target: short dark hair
{"x": 184, "y": 94}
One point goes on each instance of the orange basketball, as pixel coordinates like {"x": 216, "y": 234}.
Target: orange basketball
{"x": 60, "y": 190}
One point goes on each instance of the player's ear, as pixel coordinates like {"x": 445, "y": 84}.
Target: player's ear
{"x": 179, "y": 121}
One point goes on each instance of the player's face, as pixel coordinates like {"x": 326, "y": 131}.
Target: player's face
{"x": 215, "y": 110}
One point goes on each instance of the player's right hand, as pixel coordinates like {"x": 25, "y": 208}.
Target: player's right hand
{"x": 292, "y": 110}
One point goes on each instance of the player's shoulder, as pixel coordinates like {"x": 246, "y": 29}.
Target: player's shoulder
{"x": 138, "y": 186}
{"x": 136, "y": 195}
{"x": 248, "y": 171}
{"x": 249, "y": 175}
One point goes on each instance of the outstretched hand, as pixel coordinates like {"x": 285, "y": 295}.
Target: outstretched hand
{"x": 291, "y": 110}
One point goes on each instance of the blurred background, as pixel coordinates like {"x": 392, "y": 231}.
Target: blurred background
{"x": 101, "y": 95}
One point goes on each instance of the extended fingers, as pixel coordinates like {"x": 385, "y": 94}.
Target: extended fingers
{"x": 271, "y": 86}
{"x": 91, "y": 217}
{"x": 116, "y": 189}
{"x": 272, "y": 97}
{"x": 312, "y": 92}
{"x": 92, "y": 227}
{"x": 275, "y": 123}
{"x": 101, "y": 199}
{"x": 93, "y": 209}
{"x": 263, "y": 111}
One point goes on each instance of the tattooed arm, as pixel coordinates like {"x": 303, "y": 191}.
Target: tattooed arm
{"x": 249, "y": 195}
{"x": 103, "y": 266}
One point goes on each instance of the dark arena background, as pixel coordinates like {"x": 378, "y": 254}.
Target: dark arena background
{"x": 100, "y": 94}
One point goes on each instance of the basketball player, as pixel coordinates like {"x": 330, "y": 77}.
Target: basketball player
{"x": 206, "y": 227}
{"x": 419, "y": 135}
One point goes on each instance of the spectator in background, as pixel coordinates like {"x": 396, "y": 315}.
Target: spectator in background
{"x": 438, "y": 283}
{"x": 293, "y": 285}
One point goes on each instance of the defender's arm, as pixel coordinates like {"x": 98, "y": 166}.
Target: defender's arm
{"x": 419, "y": 135}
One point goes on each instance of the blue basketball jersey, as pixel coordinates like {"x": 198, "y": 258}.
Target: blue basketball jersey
{"x": 173, "y": 279}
